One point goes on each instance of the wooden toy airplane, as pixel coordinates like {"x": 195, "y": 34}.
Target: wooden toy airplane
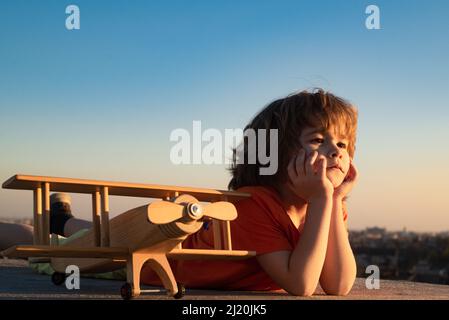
{"x": 145, "y": 235}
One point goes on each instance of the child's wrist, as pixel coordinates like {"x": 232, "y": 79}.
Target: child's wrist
{"x": 338, "y": 197}
{"x": 320, "y": 198}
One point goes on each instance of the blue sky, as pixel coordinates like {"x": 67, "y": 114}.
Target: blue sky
{"x": 100, "y": 102}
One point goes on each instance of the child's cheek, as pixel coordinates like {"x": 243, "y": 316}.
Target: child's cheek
{"x": 310, "y": 149}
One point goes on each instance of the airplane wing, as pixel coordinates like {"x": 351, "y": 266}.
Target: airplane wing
{"x": 25, "y": 251}
{"x": 31, "y": 182}
{"x": 210, "y": 254}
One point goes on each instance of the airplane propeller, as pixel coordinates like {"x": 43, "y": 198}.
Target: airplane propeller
{"x": 160, "y": 212}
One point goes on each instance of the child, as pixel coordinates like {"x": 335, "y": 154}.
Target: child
{"x": 295, "y": 219}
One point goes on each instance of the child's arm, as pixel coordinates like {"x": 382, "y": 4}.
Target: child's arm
{"x": 339, "y": 270}
{"x": 298, "y": 272}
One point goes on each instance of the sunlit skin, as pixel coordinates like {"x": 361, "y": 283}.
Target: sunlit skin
{"x": 330, "y": 145}
{"x": 320, "y": 145}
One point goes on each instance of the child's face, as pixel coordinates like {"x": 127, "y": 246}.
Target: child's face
{"x": 329, "y": 144}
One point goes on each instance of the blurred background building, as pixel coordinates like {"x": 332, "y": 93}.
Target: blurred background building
{"x": 402, "y": 255}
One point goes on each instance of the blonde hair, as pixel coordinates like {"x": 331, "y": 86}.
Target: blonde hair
{"x": 290, "y": 115}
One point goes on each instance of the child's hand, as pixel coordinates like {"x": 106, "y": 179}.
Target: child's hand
{"x": 348, "y": 183}
{"x": 308, "y": 178}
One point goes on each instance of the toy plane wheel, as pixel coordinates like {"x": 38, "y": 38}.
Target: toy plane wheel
{"x": 58, "y": 278}
{"x": 126, "y": 291}
{"x": 181, "y": 291}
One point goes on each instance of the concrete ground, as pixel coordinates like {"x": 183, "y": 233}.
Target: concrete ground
{"x": 17, "y": 281}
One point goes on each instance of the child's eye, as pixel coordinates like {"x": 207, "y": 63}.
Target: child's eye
{"x": 317, "y": 140}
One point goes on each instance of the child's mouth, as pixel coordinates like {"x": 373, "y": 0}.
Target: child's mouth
{"x": 335, "y": 168}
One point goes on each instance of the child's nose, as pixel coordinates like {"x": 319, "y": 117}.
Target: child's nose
{"x": 334, "y": 152}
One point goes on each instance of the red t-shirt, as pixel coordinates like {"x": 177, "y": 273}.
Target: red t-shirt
{"x": 262, "y": 225}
